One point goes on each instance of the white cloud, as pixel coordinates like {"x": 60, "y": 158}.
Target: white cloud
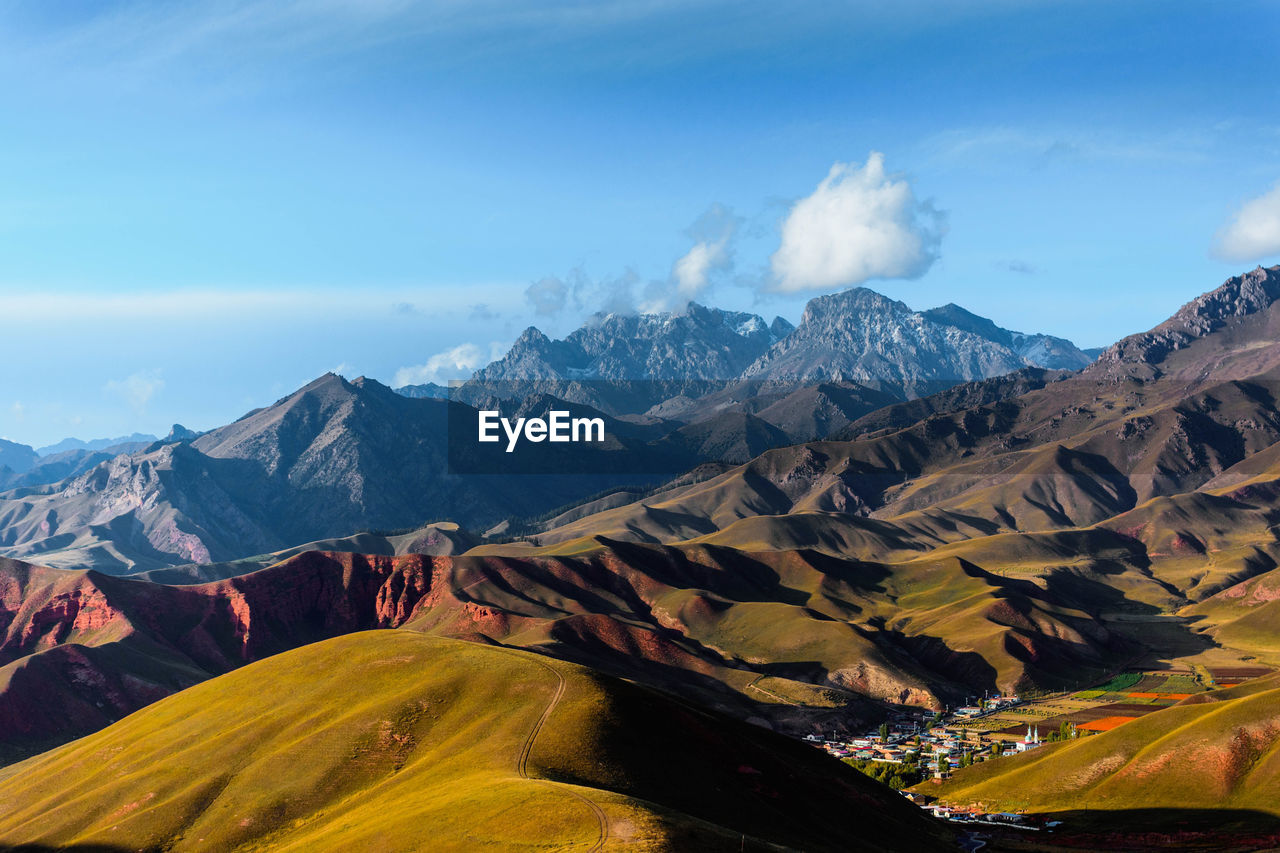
{"x": 137, "y": 389}
{"x": 456, "y": 363}
{"x": 1254, "y": 232}
{"x": 577, "y": 291}
{"x": 690, "y": 277}
{"x": 859, "y": 224}
{"x": 691, "y": 273}
{"x": 548, "y": 296}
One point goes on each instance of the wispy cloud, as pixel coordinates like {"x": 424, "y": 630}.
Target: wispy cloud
{"x": 137, "y": 389}
{"x": 30, "y": 304}
{"x": 142, "y": 35}
{"x": 552, "y": 296}
{"x": 691, "y": 275}
{"x": 1015, "y": 265}
{"x": 1044, "y": 146}
{"x": 455, "y": 363}
{"x": 150, "y": 40}
{"x": 233, "y": 36}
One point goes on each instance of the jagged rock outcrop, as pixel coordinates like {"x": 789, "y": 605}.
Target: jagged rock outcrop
{"x": 697, "y": 343}
{"x": 861, "y": 336}
{"x": 1039, "y": 350}
{"x": 1240, "y": 296}
{"x": 180, "y": 433}
{"x": 855, "y": 336}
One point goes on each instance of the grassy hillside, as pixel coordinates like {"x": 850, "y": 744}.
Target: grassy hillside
{"x": 391, "y": 740}
{"x": 1218, "y": 750}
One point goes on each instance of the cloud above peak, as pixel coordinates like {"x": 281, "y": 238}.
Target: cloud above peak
{"x": 576, "y": 292}
{"x": 860, "y": 223}
{"x": 458, "y": 362}
{"x": 1254, "y": 232}
{"x": 692, "y": 274}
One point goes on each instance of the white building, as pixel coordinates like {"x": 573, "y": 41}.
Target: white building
{"x": 1031, "y": 741}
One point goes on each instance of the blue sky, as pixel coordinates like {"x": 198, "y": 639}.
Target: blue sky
{"x": 205, "y": 205}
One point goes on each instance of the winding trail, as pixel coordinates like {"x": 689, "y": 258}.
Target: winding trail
{"x": 522, "y": 761}
{"x": 755, "y": 685}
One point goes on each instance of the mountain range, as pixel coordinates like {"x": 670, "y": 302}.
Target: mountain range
{"x": 945, "y": 488}
{"x": 333, "y": 458}
{"x": 336, "y": 457}
{"x": 1021, "y": 532}
{"x": 856, "y": 336}
{"x": 862, "y": 336}
{"x": 1160, "y": 413}
{"x": 692, "y": 345}
{"x": 133, "y": 439}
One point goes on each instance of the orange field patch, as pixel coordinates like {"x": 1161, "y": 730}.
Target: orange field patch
{"x": 1177, "y": 697}
{"x": 1106, "y": 724}
{"x": 1144, "y": 695}
{"x": 1174, "y": 696}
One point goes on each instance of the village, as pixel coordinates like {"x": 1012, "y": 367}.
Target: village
{"x": 914, "y": 745}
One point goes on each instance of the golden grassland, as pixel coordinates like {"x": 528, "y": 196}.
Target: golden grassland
{"x": 392, "y": 740}
{"x": 1216, "y": 750}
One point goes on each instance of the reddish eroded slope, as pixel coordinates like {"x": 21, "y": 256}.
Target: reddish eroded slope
{"x": 82, "y": 649}
{"x": 41, "y": 608}
{"x": 79, "y": 650}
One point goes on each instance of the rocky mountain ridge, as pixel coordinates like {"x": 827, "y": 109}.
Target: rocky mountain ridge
{"x": 1186, "y": 406}
{"x": 1037, "y": 349}
{"x": 66, "y": 444}
{"x": 1240, "y": 296}
{"x": 333, "y": 458}
{"x": 862, "y": 336}
{"x": 26, "y": 467}
{"x": 857, "y": 335}
{"x": 695, "y": 344}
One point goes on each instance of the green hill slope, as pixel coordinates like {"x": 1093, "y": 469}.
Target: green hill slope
{"x": 1219, "y": 750}
{"x": 391, "y": 740}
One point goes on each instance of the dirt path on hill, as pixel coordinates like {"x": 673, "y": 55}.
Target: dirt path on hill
{"x": 755, "y": 685}
{"x": 522, "y": 761}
